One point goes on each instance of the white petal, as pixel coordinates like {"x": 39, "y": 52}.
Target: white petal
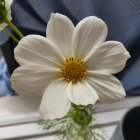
{"x": 110, "y": 58}
{"x": 55, "y": 102}
{"x": 8, "y": 4}
{"x": 81, "y": 93}
{"x": 38, "y": 49}
{"x": 33, "y": 79}
{"x": 2, "y": 26}
{"x": 60, "y": 30}
{"x": 88, "y": 34}
{"x": 107, "y": 87}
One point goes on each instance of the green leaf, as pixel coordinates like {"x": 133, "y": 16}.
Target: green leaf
{"x": 67, "y": 128}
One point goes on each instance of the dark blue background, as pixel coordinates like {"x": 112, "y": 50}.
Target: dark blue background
{"x": 121, "y": 16}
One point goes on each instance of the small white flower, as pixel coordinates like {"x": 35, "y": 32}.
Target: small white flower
{"x": 8, "y": 4}
{"x": 71, "y": 65}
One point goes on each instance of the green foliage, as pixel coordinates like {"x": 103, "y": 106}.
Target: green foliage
{"x": 3, "y": 11}
{"x": 3, "y": 2}
{"x": 79, "y": 124}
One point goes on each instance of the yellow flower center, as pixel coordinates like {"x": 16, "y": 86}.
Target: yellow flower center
{"x": 73, "y": 70}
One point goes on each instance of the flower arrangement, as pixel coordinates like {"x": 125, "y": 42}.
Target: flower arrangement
{"x": 71, "y": 68}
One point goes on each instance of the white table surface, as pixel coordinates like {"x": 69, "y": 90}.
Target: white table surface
{"x": 18, "y": 116}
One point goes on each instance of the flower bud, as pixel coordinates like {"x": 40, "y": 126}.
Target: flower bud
{"x": 3, "y": 11}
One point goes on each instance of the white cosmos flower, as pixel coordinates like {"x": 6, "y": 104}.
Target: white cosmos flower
{"x": 8, "y": 4}
{"x": 71, "y": 65}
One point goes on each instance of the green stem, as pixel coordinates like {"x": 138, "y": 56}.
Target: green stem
{"x": 11, "y": 35}
{"x": 14, "y": 28}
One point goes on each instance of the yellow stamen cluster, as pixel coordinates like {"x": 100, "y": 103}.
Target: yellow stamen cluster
{"x": 73, "y": 70}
